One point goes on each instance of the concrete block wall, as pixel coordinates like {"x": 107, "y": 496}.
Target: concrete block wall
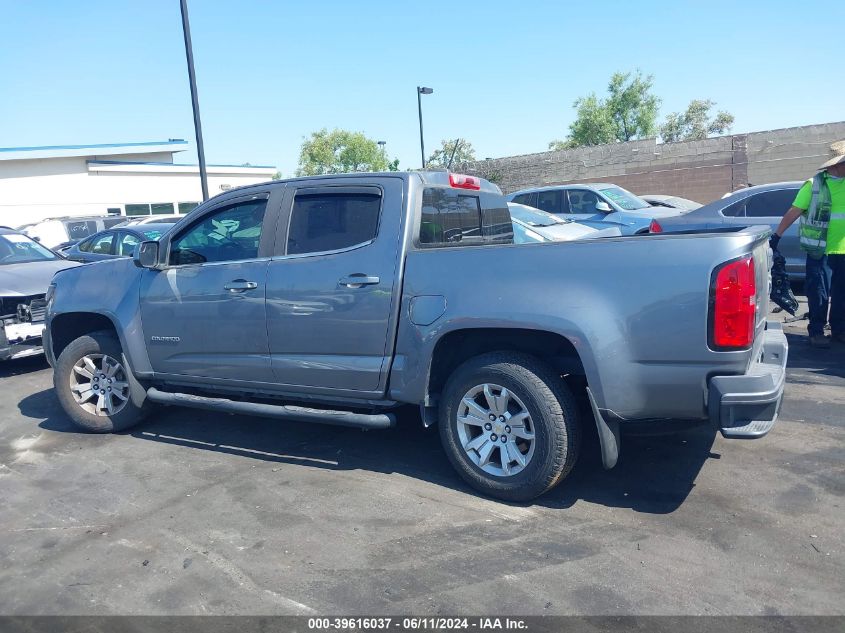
{"x": 699, "y": 170}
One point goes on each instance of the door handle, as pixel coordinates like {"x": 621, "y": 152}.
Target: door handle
{"x": 240, "y": 285}
{"x": 358, "y": 280}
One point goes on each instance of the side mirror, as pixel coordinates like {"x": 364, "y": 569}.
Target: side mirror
{"x": 146, "y": 255}
{"x": 602, "y": 206}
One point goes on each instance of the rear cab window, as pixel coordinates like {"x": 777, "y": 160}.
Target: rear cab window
{"x": 452, "y": 217}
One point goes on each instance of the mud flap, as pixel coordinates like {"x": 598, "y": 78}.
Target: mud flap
{"x": 609, "y": 437}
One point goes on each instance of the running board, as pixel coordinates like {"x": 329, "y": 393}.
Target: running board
{"x": 279, "y": 411}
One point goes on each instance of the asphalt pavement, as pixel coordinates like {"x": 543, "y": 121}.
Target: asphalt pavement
{"x": 201, "y": 513}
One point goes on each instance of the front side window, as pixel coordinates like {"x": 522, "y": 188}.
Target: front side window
{"x": 127, "y": 244}
{"x": 322, "y": 222}
{"x": 230, "y": 233}
{"x": 582, "y": 201}
{"x": 16, "y": 248}
{"x": 101, "y": 245}
{"x": 770, "y": 204}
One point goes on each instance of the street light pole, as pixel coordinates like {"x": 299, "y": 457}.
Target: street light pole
{"x": 189, "y": 55}
{"x": 422, "y": 91}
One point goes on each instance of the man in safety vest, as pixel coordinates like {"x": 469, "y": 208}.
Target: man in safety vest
{"x": 820, "y": 204}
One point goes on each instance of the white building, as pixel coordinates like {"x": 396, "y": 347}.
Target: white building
{"x": 126, "y": 178}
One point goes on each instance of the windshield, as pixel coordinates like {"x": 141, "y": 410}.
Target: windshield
{"x": 533, "y": 217}
{"x": 683, "y": 203}
{"x": 19, "y": 249}
{"x": 624, "y": 199}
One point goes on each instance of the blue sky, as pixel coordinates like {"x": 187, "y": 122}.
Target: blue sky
{"x": 505, "y": 74}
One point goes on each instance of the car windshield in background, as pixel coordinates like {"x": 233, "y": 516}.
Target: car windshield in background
{"x": 152, "y": 234}
{"x": 533, "y": 217}
{"x": 625, "y": 199}
{"x": 19, "y": 249}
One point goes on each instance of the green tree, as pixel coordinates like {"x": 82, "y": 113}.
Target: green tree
{"x": 451, "y": 153}
{"x": 628, "y": 112}
{"x": 341, "y": 151}
{"x": 695, "y": 123}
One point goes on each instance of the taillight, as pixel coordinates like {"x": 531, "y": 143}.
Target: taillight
{"x": 655, "y": 227}
{"x": 459, "y": 181}
{"x": 733, "y": 305}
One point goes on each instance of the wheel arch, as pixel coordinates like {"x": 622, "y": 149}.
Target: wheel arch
{"x": 457, "y": 346}
{"x": 69, "y": 326}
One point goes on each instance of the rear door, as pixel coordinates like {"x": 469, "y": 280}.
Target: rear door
{"x": 331, "y": 290}
{"x": 203, "y": 315}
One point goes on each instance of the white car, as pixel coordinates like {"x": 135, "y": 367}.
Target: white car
{"x": 533, "y": 225}
{"x": 56, "y": 232}
{"x": 153, "y": 219}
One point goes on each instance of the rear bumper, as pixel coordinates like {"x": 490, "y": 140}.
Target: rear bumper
{"x": 747, "y": 406}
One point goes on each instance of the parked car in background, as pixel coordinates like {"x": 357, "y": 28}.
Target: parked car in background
{"x": 60, "y": 232}
{"x": 600, "y": 205}
{"x": 26, "y": 269}
{"x": 670, "y": 202}
{"x": 117, "y": 242}
{"x": 533, "y": 225}
{"x": 152, "y": 219}
{"x": 761, "y": 204}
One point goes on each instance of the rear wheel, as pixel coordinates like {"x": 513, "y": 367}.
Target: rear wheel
{"x": 509, "y": 425}
{"x": 95, "y": 386}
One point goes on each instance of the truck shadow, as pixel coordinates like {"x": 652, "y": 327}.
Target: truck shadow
{"x": 655, "y": 474}
{"x": 20, "y": 366}
{"x": 826, "y": 362}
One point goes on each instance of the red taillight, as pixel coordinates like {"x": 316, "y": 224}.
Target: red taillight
{"x": 459, "y": 181}
{"x": 655, "y": 227}
{"x": 734, "y": 305}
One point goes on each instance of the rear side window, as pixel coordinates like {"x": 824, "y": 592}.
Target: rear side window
{"x": 450, "y": 218}
{"x": 770, "y": 203}
{"x": 524, "y": 198}
{"x": 550, "y": 201}
{"x": 79, "y": 229}
{"x": 323, "y": 222}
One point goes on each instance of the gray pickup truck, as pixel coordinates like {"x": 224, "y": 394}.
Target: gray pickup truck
{"x": 338, "y": 299}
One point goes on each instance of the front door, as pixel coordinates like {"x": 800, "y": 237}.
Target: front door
{"x": 203, "y": 315}
{"x": 330, "y": 292}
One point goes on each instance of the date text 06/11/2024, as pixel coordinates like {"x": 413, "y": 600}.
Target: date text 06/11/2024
{"x": 415, "y": 623}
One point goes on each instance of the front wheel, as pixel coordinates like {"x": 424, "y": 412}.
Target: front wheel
{"x": 94, "y": 385}
{"x": 509, "y": 425}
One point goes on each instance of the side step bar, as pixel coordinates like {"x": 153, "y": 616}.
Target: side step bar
{"x": 280, "y": 411}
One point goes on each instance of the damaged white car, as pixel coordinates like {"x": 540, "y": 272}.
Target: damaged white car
{"x": 26, "y": 269}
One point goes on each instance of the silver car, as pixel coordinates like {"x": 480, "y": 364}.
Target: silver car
{"x": 600, "y": 205}
{"x": 763, "y": 204}
{"x": 533, "y": 225}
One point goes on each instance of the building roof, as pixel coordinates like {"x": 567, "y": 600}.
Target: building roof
{"x": 171, "y": 168}
{"x": 101, "y": 149}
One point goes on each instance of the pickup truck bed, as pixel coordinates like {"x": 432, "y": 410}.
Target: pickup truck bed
{"x": 340, "y": 298}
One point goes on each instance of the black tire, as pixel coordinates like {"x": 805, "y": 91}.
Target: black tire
{"x": 97, "y": 343}
{"x": 554, "y": 415}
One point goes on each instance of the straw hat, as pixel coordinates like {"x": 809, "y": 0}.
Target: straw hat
{"x": 838, "y": 148}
